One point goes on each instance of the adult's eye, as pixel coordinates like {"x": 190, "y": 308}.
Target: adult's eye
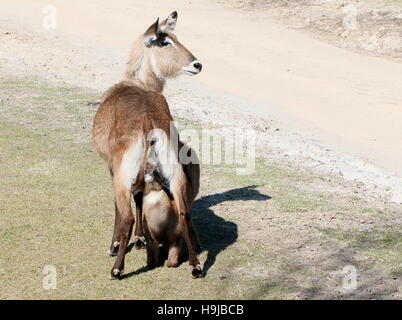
{"x": 166, "y": 43}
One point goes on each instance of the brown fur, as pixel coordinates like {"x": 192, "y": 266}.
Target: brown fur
{"x": 128, "y": 112}
{"x": 161, "y": 219}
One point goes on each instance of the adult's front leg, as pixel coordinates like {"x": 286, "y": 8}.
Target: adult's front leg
{"x": 179, "y": 190}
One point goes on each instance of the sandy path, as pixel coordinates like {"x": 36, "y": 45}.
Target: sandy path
{"x": 351, "y": 101}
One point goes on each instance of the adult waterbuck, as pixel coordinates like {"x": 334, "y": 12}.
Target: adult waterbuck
{"x": 133, "y": 119}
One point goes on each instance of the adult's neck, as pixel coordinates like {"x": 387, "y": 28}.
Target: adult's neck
{"x": 150, "y": 84}
{"x": 147, "y": 76}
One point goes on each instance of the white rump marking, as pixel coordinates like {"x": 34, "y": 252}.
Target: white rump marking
{"x": 131, "y": 162}
{"x": 163, "y": 154}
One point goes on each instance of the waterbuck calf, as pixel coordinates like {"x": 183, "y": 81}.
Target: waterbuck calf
{"x": 133, "y": 115}
{"x": 161, "y": 219}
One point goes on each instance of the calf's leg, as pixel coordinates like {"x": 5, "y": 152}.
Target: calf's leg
{"x": 173, "y": 255}
{"x": 152, "y": 248}
{"x": 139, "y": 239}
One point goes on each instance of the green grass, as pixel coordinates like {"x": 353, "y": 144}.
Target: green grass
{"x": 57, "y": 209}
{"x": 56, "y": 204}
{"x": 287, "y": 197}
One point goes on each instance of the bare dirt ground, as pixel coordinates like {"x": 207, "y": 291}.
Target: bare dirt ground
{"x": 377, "y": 30}
{"x": 339, "y": 112}
{"x": 309, "y": 210}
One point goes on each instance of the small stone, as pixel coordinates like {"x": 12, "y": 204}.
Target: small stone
{"x": 396, "y": 197}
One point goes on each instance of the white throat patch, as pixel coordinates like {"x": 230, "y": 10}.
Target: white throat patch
{"x": 154, "y": 67}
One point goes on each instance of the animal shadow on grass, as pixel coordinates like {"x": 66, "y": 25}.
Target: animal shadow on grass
{"x": 215, "y": 233}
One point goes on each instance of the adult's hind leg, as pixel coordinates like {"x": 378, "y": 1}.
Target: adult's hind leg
{"x": 114, "y": 247}
{"x": 179, "y": 189}
{"x": 126, "y": 221}
{"x": 139, "y": 239}
{"x": 195, "y": 240}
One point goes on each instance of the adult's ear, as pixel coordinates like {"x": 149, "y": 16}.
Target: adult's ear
{"x": 170, "y": 23}
{"x": 152, "y": 33}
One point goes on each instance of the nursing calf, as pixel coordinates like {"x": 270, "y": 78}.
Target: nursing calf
{"x": 161, "y": 218}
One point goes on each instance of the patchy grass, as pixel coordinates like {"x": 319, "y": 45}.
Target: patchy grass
{"x": 288, "y": 197}
{"x": 38, "y": 105}
{"x": 384, "y": 247}
{"x": 258, "y": 230}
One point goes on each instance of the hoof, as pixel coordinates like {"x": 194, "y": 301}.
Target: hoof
{"x": 112, "y": 253}
{"x": 139, "y": 242}
{"x": 152, "y": 264}
{"x": 171, "y": 264}
{"x": 115, "y": 274}
{"x": 199, "y": 249}
{"x": 114, "y": 248}
{"x": 197, "y": 272}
